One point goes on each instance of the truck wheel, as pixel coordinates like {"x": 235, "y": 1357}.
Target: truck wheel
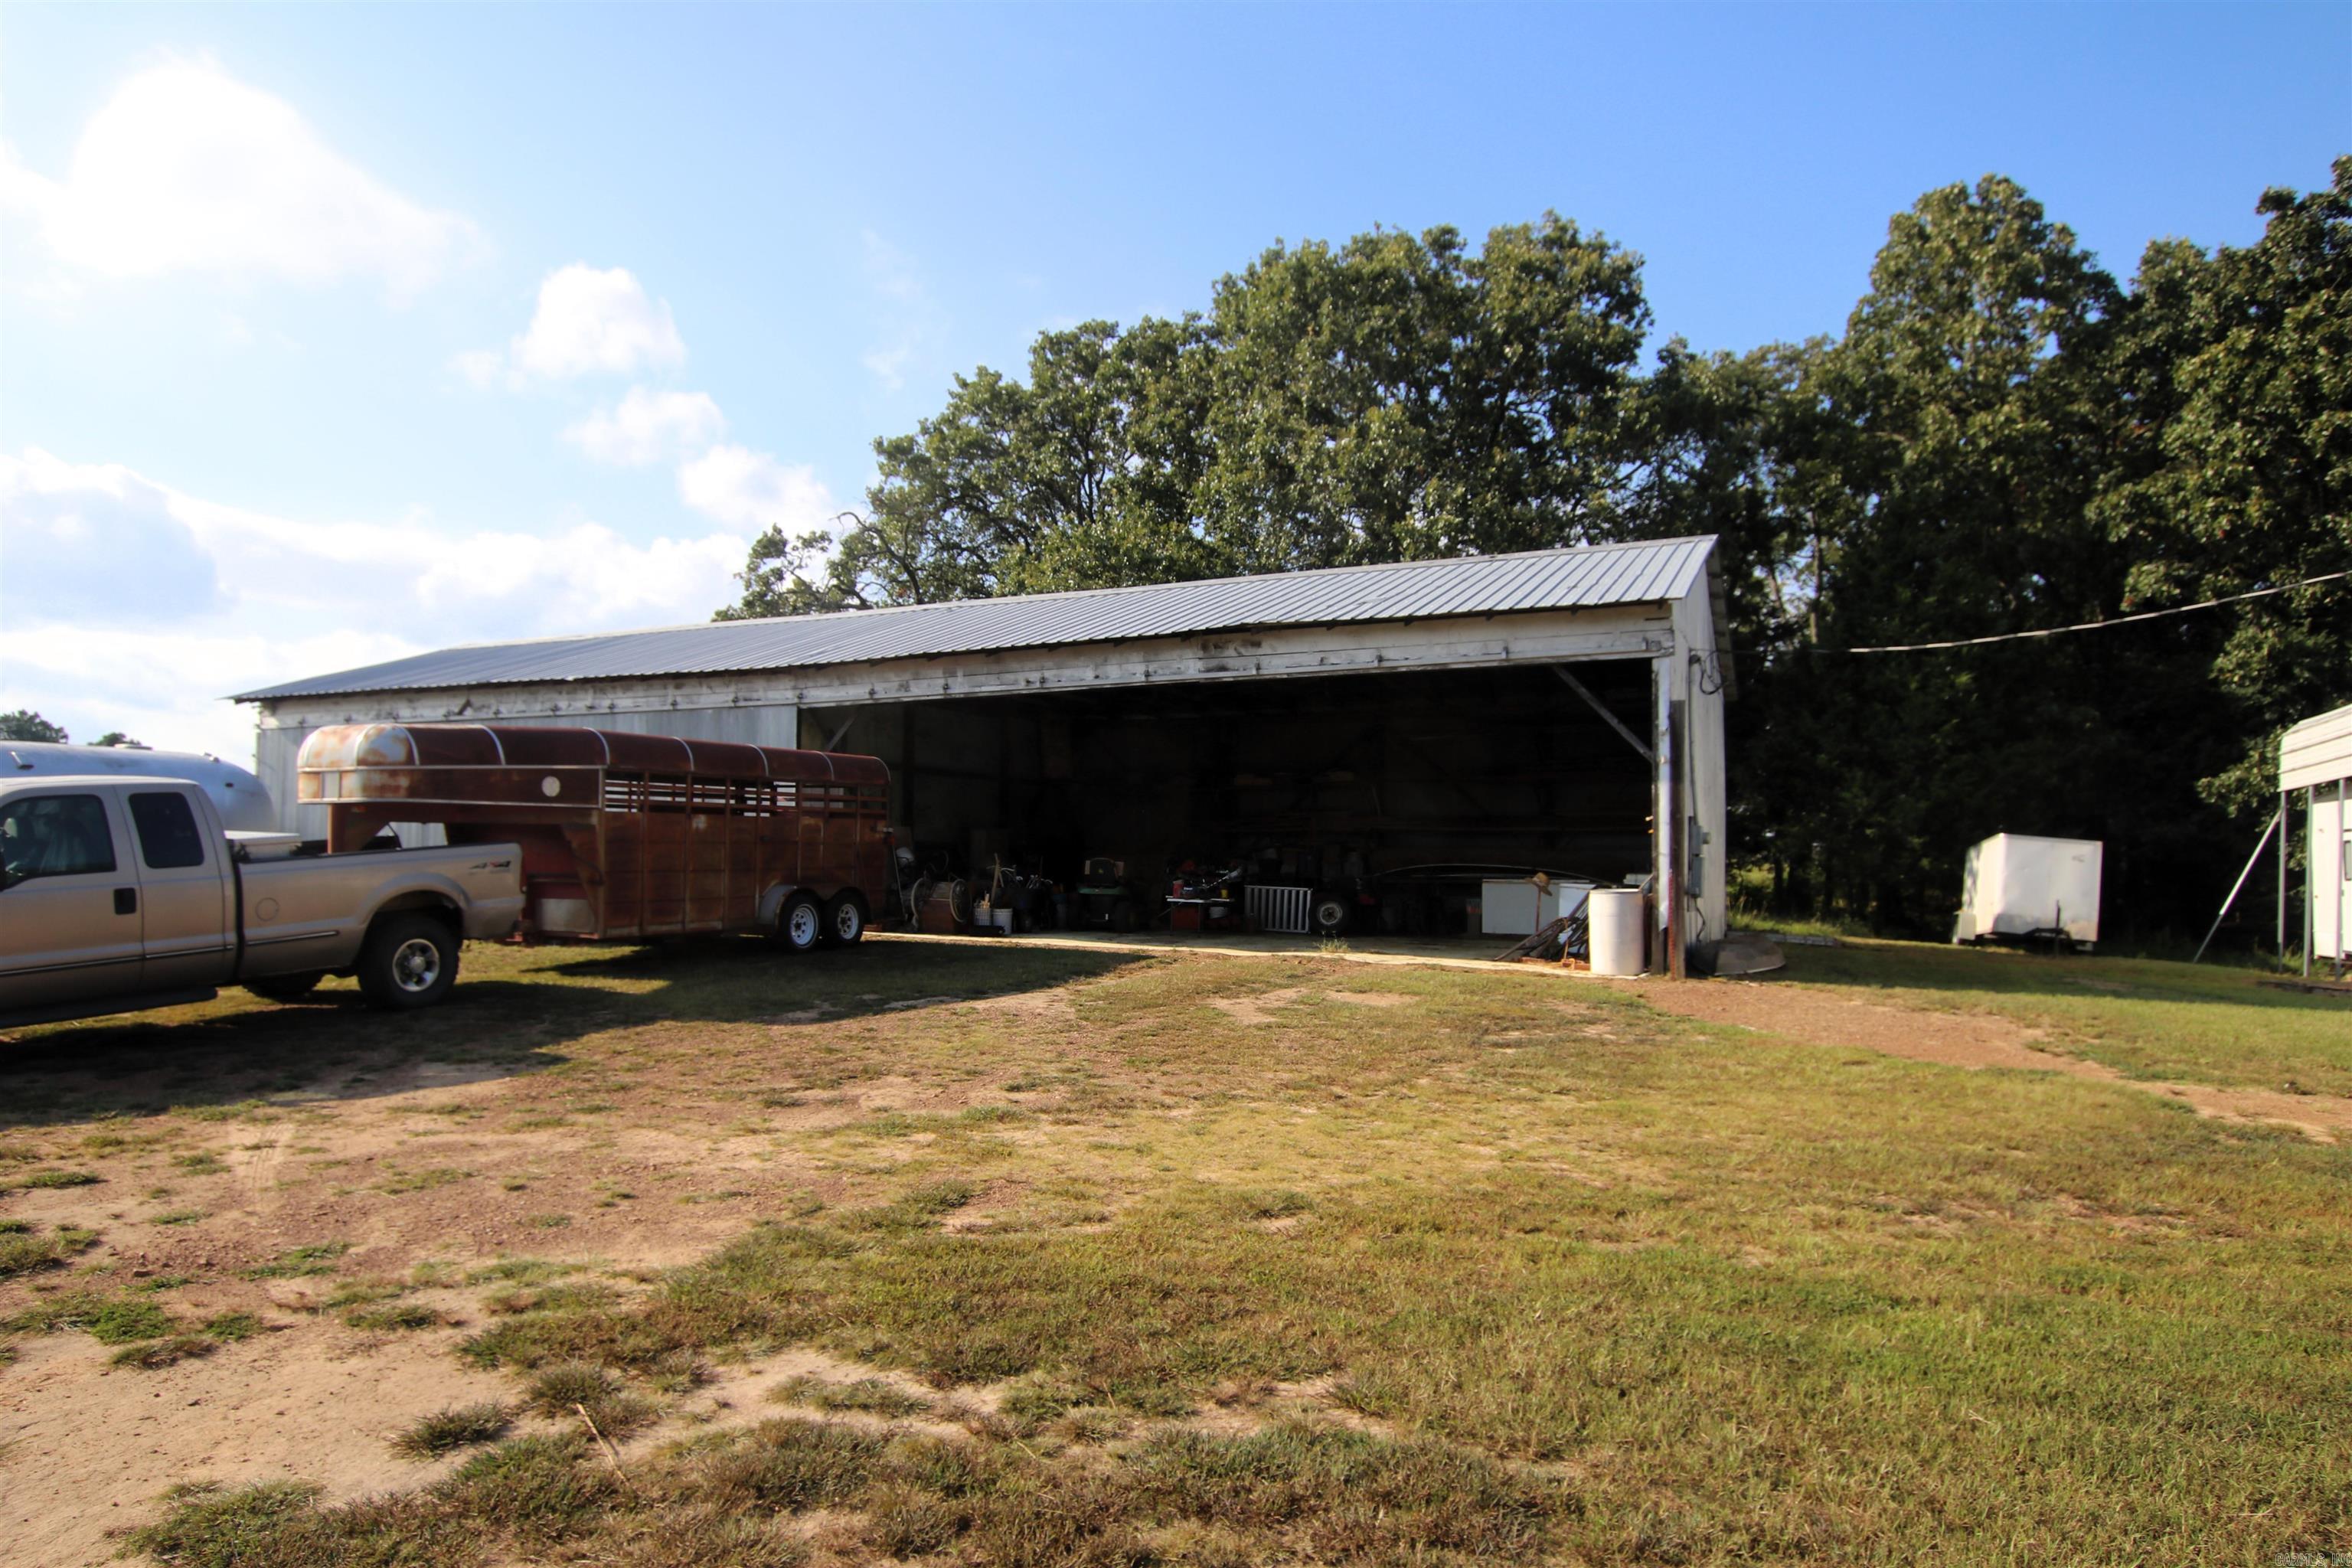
{"x": 407, "y": 962}
{"x": 1329, "y": 915}
{"x": 844, "y": 920}
{"x": 800, "y": 924}
{"x": 286, "y": 988}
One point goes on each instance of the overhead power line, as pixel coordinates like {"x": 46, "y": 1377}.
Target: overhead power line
{"x": 2092, "y": 626}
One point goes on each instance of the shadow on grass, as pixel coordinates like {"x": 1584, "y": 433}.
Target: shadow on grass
{"x": 513, "y": 1011}
{"x": 2007, "y": 972}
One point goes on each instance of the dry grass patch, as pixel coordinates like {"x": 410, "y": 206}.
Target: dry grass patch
{"x": 1508, "y": 1268}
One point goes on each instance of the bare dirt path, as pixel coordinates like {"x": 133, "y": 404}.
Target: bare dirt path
{"x": 1971, "y": 1040}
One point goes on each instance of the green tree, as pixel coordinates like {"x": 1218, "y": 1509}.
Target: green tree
{"x": 1399, "y": 397}
{"x": 1081, "y": 476}
{"x": 25, "y": 724}
{"x": 1936, "y": 465}
{"x": 2245, "y": 478}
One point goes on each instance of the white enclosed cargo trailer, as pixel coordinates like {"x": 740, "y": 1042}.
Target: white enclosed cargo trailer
{"x": 2021, "y": 885}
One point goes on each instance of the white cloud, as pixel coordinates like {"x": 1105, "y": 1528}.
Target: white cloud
{"x": 889, "y": 363}
{"x": 481, "y": 366}
{"x": 96, "y": 546}
{"x": 187, "y": 170}
{"x": 144, "y": 604}
{"x": 753, "y": 490}
{"x": 589, "y": 321}
{"x": 648, "y": 427}
{"x": 905, "y": 313}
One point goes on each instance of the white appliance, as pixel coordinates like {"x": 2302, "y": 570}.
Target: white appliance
{"x": 1521, "y": 908}
{"x": 2019, "y": 885}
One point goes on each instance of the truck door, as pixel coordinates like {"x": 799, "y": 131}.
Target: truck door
{"x": 69, "y": 914}
{"x": 190, "y": 930}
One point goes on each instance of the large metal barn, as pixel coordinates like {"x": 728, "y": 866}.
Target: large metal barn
{"x": 1559, "y": 711}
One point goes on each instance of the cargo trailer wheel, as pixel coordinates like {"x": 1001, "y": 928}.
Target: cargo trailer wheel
{"x": 844, "y": 920}
{"x": 1329, "y": 914}
{"x": 800, "y": 924}
{"x": 286, "y": 988}
{"x": 407, "y": 962}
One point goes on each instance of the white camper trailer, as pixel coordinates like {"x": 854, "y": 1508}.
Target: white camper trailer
{"x": 244, "y": 805}
{"x": 2315, "y": 758}
{"x": 2020, "y": 885}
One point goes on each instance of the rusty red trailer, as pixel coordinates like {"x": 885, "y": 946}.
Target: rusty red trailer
{"x": 627, "y": 836}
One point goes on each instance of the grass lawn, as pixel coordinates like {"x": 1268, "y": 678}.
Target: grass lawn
{"x": 2145, "y": 1017}
{"x": 1219, "y": 1261}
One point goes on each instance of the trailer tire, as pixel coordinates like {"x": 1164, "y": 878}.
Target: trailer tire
{"x": 409, "y": 961}
{"x": 286, "y": 988}
{"x": 844, "y": 920}
{"x": 1328, "y": 914}
{"x": 800, "y": 924}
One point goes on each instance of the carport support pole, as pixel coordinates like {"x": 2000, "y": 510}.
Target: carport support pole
{"x": 2285, "y": 828}
{"x": 2336, "y": 872}
{"x": 2239, "y": 886}
{"x": 2310, "y": 887}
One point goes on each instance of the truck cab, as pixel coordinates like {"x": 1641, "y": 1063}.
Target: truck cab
{"x": 122, "y": 893}
{"x": 113, "y": 886}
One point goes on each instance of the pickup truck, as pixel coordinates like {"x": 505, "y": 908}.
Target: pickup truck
{"x": 122, "y": 893}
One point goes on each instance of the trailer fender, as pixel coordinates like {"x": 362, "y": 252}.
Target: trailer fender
{"x": 771, "y": 902}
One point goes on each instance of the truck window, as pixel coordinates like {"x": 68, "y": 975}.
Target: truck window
{"x": 168, "y": 838}
{"x": 55, "y": 835}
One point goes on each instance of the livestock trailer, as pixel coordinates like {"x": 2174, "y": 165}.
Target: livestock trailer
{"x": 626, "y": 836}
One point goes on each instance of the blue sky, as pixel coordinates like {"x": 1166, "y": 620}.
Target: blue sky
{"x": 330, "y": 333}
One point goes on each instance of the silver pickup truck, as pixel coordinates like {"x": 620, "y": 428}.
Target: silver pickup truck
{"x": 121, "y": 893}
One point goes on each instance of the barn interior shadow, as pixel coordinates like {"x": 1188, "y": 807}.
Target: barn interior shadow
{"x": 494, "y": 1025}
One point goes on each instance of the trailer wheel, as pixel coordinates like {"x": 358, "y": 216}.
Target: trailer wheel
{"x": 1329, "y": 915}
{"x": 408, "y": 961}
{"x": 800, "y": 924}
{"x": 844, "y": 920}
{"x": 286, "y": 988}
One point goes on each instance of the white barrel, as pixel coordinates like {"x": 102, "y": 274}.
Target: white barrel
{"x": 1614, "y": 917}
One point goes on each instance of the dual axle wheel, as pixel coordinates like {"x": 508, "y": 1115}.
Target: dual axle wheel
{"x": 804, "y": 923}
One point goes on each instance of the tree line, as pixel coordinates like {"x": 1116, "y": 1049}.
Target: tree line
{"x": 2005, "y": 438}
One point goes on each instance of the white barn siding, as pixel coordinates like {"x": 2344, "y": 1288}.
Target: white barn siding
{"x": 1701, "y": 668}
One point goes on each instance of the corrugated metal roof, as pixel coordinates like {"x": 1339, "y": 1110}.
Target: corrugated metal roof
{"x": 2316, "y": 752}
{"x": 1583, "y": 577}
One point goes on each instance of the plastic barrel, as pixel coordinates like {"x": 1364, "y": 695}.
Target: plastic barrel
{"x": 1615, "y": 917}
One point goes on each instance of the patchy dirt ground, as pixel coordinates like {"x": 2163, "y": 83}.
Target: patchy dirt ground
{"x": 1973, "y": 1040}
{"x": 363, "y": 1194}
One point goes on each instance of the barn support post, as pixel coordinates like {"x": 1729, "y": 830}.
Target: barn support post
{"x": 1665, "y": 842}
{"x": 2336, "y": 872}
{"x": 2310, "y": 887}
